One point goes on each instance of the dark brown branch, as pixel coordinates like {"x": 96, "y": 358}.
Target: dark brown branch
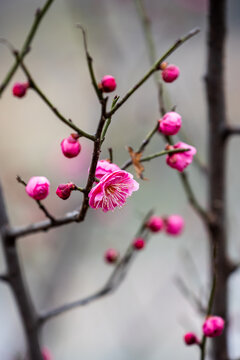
{"x": 90, "y": 65}
{"x": 231, "y": 130}
{"x": 112, "y": 284}
{"x": 217, "y": 168}
{"x": 95, "y": 158}
{"x": 17, "y": 283}
{"x": 4, "y": 277}
{"x": 45, "y": 225}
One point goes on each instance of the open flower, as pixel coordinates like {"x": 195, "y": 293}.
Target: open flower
{"x": 112, "y": 190}
{"x": 105, "y": 167}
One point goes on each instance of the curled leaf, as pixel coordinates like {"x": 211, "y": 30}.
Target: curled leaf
{"x": 136, "y": 161}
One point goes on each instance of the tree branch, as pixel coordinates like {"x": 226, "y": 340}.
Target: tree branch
{"x": 17, "y": 283}
{"x": 90, "y": 65}
{"x": 154, "y": 68}
{"x": 35, "y": 87}
{"x": 154, "y": 156}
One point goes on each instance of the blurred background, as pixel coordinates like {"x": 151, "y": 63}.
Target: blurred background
{"x": 147, "y": 316}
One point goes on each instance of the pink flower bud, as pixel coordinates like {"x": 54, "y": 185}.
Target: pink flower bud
{"x": 180, "y": 161}
{"x": 139, "y": 243}
{"x": 38, "y": 187}
{"x": 170, "y": 124}
{"x": 20, "y": 89}
{"x": 64, "y": 190}
{"x": 111, "y": 256}
{"x": 170, "y": 73}
{"x": 46, "y": 354}
{"x": 108, "y": 83}
{"x": 174, "y": 225}
{"x": 71, "y": 146}
{"x": 213, "y": 326}
{"x": 155, "y": 223}
{"x": 191, "y": 339}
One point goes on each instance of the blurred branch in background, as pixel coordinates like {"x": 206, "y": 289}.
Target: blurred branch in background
{"x": 114, "y": 281}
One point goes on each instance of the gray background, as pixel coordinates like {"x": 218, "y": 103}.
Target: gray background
{"x": 147, "y": 317}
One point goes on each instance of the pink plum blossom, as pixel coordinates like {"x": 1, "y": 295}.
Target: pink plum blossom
{"x": 71, "y": 146}
{"x": 170, "y": 73}
{"x": 108, "y": 83}
{"x": 170, "y": 124}
{"x": 19, "y": 89}
{"x": 111, "y": 256}
{"x": 180, "y": 161}
{"x": 105, "y": 167}
{"x": 38, "y": 187}
{"x": 155, "y": 223}
{"x": 174, "y": 225}
{"x": 213, "y": 326}
{"x": 191, "y": 339}
{"x": 64, "y": 190}
{"x": 112, "y": 190}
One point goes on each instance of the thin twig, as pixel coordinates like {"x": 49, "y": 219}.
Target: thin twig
{"x": 192, "y": 198}
{"x": 38, "y": 17}
{"x": 90, "y": 65}
{"x": 148, "y": 138}
{"x": 36, "y": 88}
{"x": 154, "y": 68}
{"x": 109, "y": 119}
{"x": 112, "y": 284}
{"x": 211, "y": 299}
{"x": 153, "y": 156}
{"x": 45, "y": 225}
{"x": 110, "y": 150}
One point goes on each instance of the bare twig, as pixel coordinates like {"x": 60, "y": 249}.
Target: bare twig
{"x": 110, "y": 150}
{"x": 154, "y": 68}
{"x": 90, "y": 65}
{"x": 154, "y": 156}
{"x": 230, "y": 130}
{"x": 45, "y": 225}
{"x": 211, "y": 298}
{"x": 36, "y": 88}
